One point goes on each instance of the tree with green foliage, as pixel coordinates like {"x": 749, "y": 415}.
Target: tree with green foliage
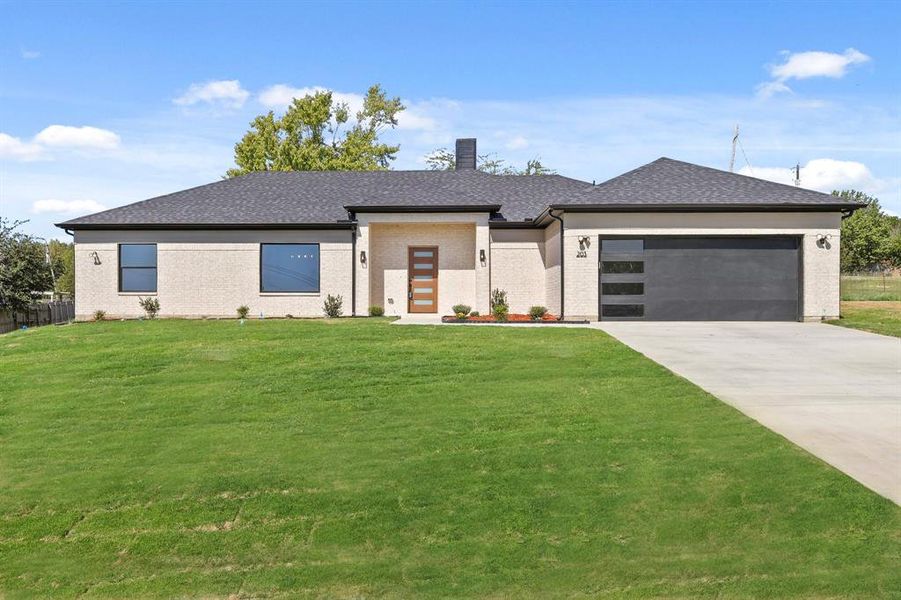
{"x": 316, "y": 133}
{"x": 24, "y": 272}
{"x": 870, "y": 238}
{"x": 443, "y": 159}
{"x": 62, "y": 256}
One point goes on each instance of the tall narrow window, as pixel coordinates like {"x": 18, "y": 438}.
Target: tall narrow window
{"x": 137, "y": 268}
{"x": 289, "y": 267}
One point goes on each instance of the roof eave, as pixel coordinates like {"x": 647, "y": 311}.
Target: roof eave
{"x": 420, "y": 208}
{"x": 723, "y": 207}
{"x": 177, "y": 226}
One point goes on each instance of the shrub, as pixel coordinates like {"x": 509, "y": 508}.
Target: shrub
{"x": 151, "y": 306}
{"x": 243, "y": 311}
{"x": 376, "y": 311}
{"x": 498, "y": 298}
{"x": 537, "y": 312}
{"x": 474, "y": 313}
{"x": 332, "y": 306}
{"x": 99, "y": 315}
{"x": 500, "y": 313}
{"x": 461, "y": 310}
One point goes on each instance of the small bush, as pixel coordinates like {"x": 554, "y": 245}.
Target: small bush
{"x": 537, "y": 312}
{"x": 332, "y": 306}
{"x": 474, "y": 313}
{"x": 500, "y": 313}
{"x": 151, "y": 306}
{"x": 461, "y": 310}
{"x": 376, "y": 311}
{"x": 99, "y": 315}
{"x": 498, "y": 298}
{"x": 243, "y": 311}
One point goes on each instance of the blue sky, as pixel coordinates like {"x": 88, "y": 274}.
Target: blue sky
{"x": 102, "y": 104}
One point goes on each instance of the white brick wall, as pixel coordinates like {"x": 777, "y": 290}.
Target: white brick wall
{"x": 211, "y": 273}
{"x": 456, "y": 263}
{"x": 517, "y": 266}
{"x": 385, "y": 237}
{"x": 552, "y": 265}
{"x": 205, "y": 273}
{"x": 821, "y": 265}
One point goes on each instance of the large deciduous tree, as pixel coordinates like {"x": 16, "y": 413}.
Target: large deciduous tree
{"x": 870, "y": 238}
{"x": 316, "y": 133}
{"x": 443, "y": 159}
{"x": 62, "y": 256}
{"x": 24, "y": 272}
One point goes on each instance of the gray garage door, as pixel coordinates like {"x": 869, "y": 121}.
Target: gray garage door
{"x": 700, "y": 278}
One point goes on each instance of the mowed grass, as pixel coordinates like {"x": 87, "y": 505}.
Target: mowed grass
{"x": 356, "y": 458}
{"x": 871, "y": 288}
{"x": 877, "y": 317}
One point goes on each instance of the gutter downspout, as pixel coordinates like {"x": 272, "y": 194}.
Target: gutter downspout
{"x": 353, "y": 270}
{"x": 559, "y": 219}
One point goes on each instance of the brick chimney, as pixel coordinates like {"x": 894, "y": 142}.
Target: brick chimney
{"x": 465, "y": 154}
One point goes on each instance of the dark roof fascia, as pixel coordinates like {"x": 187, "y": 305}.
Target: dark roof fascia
{"x": 501, "y": 224}
{"x": 420, "y": 208}
{"x": 688, "y": 208}
{"x": 180, "y": 226}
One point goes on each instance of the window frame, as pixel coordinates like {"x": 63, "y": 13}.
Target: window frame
{"x": 318, "y": 269}
{"x": 119, "y": 267}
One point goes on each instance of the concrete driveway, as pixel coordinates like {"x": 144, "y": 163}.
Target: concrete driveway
{"x": 835, "y": 392}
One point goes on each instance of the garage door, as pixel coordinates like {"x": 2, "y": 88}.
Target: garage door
{"x": 700, "y": 278}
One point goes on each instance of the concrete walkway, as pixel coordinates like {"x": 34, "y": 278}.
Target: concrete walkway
{"x": 835, "y": 392}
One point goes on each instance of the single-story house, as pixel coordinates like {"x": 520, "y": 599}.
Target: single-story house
{"x": 667, "y": 241}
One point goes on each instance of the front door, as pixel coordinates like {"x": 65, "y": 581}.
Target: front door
{"x": 422, "y": 289}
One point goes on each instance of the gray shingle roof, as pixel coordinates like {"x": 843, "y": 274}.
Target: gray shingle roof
{"x": 668, "y": 182}
{"x": 295, "y": 198}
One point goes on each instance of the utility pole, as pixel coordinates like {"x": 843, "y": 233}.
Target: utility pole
{"x": 797, "y": 171}
{"x": 734, "y": 144}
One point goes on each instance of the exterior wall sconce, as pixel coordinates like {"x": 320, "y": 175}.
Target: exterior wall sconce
{"x": 584, "y": 242}
{"x": 482, "y": 258}
{"x": 96, "y": 257}
{"x": 363, "y": 257}
{"x": 823, "y": 240}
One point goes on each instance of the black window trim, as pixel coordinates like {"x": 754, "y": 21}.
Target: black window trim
{"x": 318, "y": 267}
{"x": 119, "y": 267}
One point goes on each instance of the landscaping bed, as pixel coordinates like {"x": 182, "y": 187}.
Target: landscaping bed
{"x": 511, "y": 318}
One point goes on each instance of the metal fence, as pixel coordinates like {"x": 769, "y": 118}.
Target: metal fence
{"x": 42, "y": 313}
{"x": 871, "y": 286}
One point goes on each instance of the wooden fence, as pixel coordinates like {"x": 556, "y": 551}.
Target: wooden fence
{"x": 43, "y": 313}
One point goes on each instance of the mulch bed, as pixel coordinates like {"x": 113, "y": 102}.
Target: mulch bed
{"x": 512, "y": 318}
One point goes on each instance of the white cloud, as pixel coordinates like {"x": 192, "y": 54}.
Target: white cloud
{"x": 517, "y": 143}
{"x": 804, "y": 65}
{"x": 226, "y": 93}
{"x": 279, "y": 96}
{"x": 769, "y": 88}
{"x": 65, "y": 136}
{"x": 822, "y": 174}
{"x": 30, "y": 54}
{"x": 13, "y": 147}
{"x": 79, "y": 207}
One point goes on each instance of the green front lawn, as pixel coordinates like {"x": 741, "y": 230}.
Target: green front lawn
{"x": 360, "y": 459}
{"x": 877, "y": 317}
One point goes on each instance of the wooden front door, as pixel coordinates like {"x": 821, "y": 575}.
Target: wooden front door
{"x": 422, "y": 272}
